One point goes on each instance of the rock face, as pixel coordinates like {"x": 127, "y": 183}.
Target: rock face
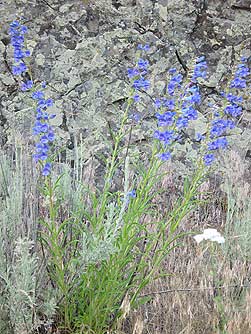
{"x": 83, "y": 47}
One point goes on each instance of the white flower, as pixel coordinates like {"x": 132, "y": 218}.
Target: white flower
{"x": 210, "y": 234}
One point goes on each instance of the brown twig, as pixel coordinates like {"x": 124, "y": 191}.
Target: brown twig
{"x": 196, "y": 289}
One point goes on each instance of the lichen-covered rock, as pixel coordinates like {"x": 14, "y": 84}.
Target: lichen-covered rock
{"x": 83, "y": 47}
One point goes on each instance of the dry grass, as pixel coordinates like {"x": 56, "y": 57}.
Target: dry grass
{"x": 209, "y": 289}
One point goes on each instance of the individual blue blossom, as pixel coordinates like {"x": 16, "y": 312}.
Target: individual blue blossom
{"x": 165, "y": 119}
{"x": 14, "y": 24}
{"x": 199, "y": 69}
{"x": 136, "y": 117}
{"x": 157, "y": 103}
{"x": 23, "y": 29}
{"x": 182, "y": 122}
{"x": 244, "y": 59}
{"x": 143, "y": 47}
{"x": 38, "y": 95}
{"x": 190, "y": 113}
{"x": 220, "y": 126}
{"x": 172, "y": 70}
{"x": 233, "y": 98}
{"x": 209, "y": 159}
{"x": 164, "y": 102}
{"x": 42, "y": 147}
{"x": 143, "y": 64}
{"x": 169, "y": 103}
{"x": 165, "y": 156}
{"x": 174, "y": 83}
{"x": 46, "y": 169}
{"x": 217, "y": 144}
{"x": 19, "y": 69}
{"x": 242, "y": 71}
{"x": 167, "y": 137}
{"x": 192, "y": 95}
{"x": 199, "y": 137}
{"x": 136, "y": 98}
{"x": 238, "y": 83}
{"x": 132, "y": 72}
{"x": 200, "y": 59}
{"x": 141, "y": 84}
{"x": 233, "y": 110}
{"x": 27, "y": 85}
{"x": 131, "y": 193}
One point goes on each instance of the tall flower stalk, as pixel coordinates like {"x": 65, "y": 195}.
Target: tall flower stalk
{"x": 42, "y": 130}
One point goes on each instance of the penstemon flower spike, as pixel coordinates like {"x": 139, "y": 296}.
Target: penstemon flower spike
{"x": 42, "y": 129}
{"x": 176, "y": 112}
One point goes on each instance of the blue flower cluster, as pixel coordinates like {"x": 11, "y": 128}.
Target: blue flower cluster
{"x": 129, "y": 196}
{"x": 145, "y": 47}
{"x": 42, "y": 128}
{"x": 17, "y": 32}
{"x": 138, "y": 74}
{"x": 199, "y": 69}
{"x": 177, "y": 111}
{"x": 181, "y": 107}
{"x": 220, "y": 124}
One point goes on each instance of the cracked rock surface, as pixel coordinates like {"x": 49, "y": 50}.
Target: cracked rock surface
{"x": 83, "y": 47}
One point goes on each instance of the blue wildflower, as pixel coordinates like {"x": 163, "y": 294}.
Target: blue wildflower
{"x": 234, "y": 98}
{"x": 217, "y": 144}
{"x": 241, "y": 73}
{"x": 131, "y": 194}
{"x": 136, "y": 98}
{"x": 143, "y": 64}
{"x": 190, "y": 113}
{"x": 167, "y": 137}
{"x": 43, "y": 130}
{"x": 143, "y": 47}
{"x": 141, "y": 84}
{"x": 186, "y": 107}
{"x": 27, "y": 85}
{"x": 234, "y": 110}
{"x": 157, "y": 103}
{"x": 19, "y": 69}
{"x": 174, "y": 83}
{"x": 132, "y": 72}
{"x": 209, "y": 158}
{"x": 220, "y": 126}
{"x": 16, "y": 32}
{"x": 182, "y": 122}
{"x": 199, "y": 69}
{"x": 172, "y": 70}
{"x": 170, "y": 104}
{"x": 165, "y": 119}
{"x": 192, "y": 95}
{"x": 37, "y": 95}
{"x": 165, "y": 156}
{"x": 199, "y": 137}
{"x": 47, "y": 169}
